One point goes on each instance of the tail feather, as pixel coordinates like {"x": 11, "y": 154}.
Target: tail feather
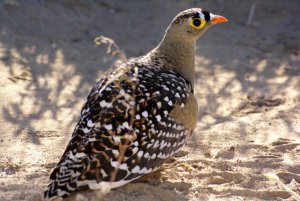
{"x": 64, "y": 177}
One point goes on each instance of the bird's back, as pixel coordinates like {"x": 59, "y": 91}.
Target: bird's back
{"x": 132, "y": 121}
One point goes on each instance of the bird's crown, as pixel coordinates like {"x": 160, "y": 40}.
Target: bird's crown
{"x": 198, "y": 18}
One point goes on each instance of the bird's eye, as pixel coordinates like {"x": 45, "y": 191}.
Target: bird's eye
{"x": 198, "y": 23}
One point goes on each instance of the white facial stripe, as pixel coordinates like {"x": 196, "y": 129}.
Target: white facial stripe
{"x": 201, "y": 15}
{"x": 212, "y": 16}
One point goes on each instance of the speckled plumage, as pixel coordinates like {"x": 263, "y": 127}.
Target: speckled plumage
{"x": 133, "y": 120}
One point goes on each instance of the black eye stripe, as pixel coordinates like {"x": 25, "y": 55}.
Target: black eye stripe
{"x": 206, "y": 15}
{"x": 197, "y": 15}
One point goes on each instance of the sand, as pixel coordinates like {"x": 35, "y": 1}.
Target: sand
{"x": 247, "y": 86}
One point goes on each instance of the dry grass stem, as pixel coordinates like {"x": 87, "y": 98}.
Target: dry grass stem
{"x": 112, "y": 47}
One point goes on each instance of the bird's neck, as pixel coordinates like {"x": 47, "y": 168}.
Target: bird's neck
{"x": 180, "y": 54}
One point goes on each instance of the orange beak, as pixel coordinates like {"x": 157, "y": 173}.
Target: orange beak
{"x": 218, "y": 19}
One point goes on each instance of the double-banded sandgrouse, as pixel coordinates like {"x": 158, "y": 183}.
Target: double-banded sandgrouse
{"x": 138, "y": 115}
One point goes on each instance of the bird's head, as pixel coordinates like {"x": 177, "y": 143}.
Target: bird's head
{"x": 192, "y": 23}
{"x": 179, "y": 42}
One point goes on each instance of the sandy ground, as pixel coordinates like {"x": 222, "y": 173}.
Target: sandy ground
{"x": 248, "y": 90}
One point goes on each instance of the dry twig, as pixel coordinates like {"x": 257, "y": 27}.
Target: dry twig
{"x": 112, "y": 47}
{"x": 251, "y": 13}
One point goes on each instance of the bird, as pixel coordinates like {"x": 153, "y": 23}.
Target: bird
{"x": 138, "y": 115}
